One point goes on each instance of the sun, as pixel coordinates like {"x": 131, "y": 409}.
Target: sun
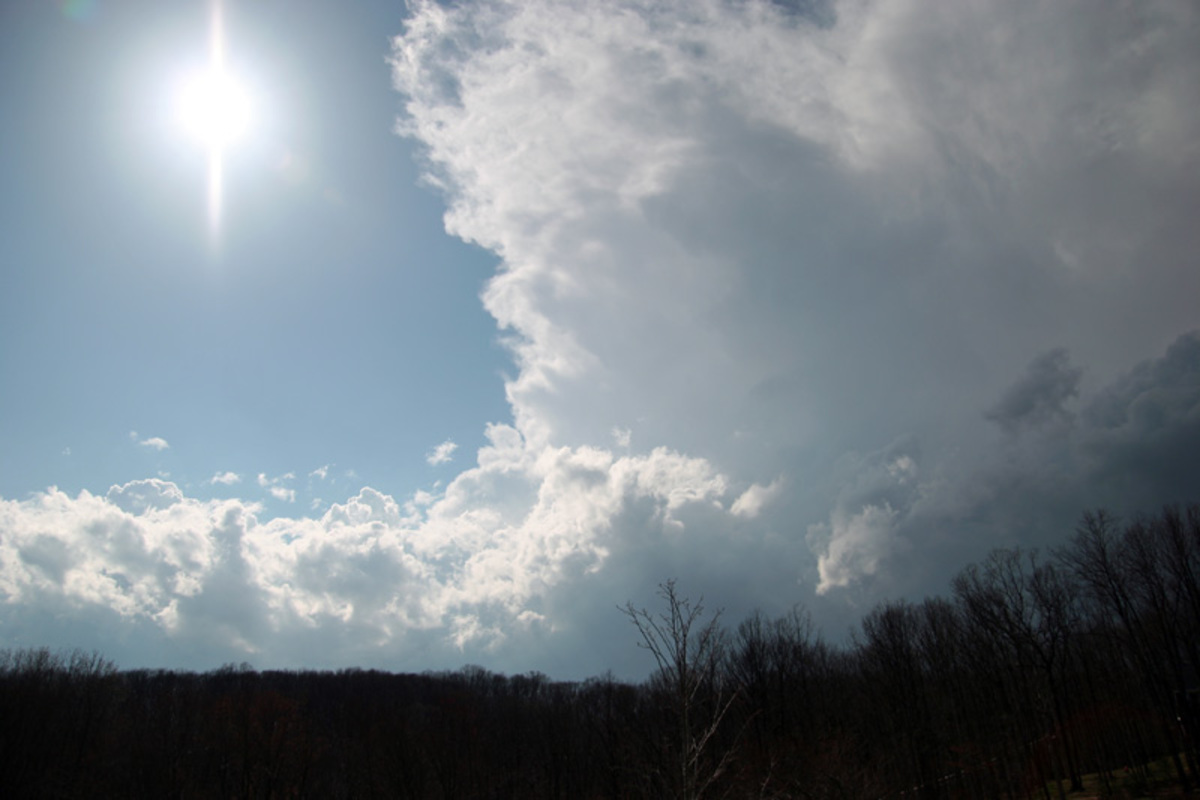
{"x": 214, "y": 108}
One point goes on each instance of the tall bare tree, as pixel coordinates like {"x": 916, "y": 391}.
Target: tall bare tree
{"x": 689, "y": 649}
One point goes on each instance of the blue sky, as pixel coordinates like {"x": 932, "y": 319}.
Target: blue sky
{"x": 332, "y": 324}
{"x": 516, "y": 310}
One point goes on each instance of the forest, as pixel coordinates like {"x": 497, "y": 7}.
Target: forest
{"x": 1040, "y": 675}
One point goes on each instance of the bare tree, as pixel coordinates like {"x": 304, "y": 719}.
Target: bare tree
{"x": 1138, "y": 576}
{"x": 1029, "y": 606}
{"x": 689, "y": 651}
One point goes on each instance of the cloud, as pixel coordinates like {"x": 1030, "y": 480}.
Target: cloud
{"x": 1146, "y": 403}
{"x": 1040, "y": 395}
{"x": 226, "y": 478}
{"x": 876, "y": 493}
{"x": 805, "y": 130}
{"x": 320, "y": 473}
{"x": 136, "y": 497}
{"x": 752, "y": 501}
{"x": 622, "y": 436}
{"x": 467, "y": 569}
{"x": 155, "y": 443}
{"x": 275, "y": 487}
{"x": 131, "y": 553}
{"x": 1140, "y": 434}
{"x": 854, "y": 545}
{"x": 777, "y": 245}
{"x": 442, "y": 454}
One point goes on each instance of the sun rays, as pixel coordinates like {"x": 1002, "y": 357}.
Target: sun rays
{"x": 214, "y": 109}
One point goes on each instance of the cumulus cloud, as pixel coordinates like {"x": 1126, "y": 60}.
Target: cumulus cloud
{"x": 138, "y": 496}
{"x": 876, "y": 493}
{"x": 441, "y": 454}
{"x": 752, "y": 501}
{"x": 464, "y": 569}
{"x": 226, "y": 478}
{"x": 276, "y": 488}
{"x": 133, "y": 552}
{"x": 853, "y": 545}
{"x": 153, "y": 442}
{"x": 776, "y": 244}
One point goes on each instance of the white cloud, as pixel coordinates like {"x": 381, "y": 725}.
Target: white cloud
{"x": 284, "y": 494}
{"x": 275, "y": 486}
{"x": 751, "y": 502}
{"x": 442, "y": 454}
{"x": 226, "y": 478}
{"x": 155, "y": 443}
{"x": 138, "y": 496}
{"x": 131, "y": 553}
{"x": 622, "y": 436}
{"x": 466, "y": 568}
{"x": 854, "y": 545}
{"x": 320, "y": 473}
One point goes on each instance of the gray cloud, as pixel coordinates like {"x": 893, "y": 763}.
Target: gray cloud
{"x": 1142, "y": 432}
{"x": 1040, "y": 395}
{"x": 1131, "y": 448}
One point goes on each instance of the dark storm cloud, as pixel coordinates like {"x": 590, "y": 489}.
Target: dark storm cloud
{"x": 1141, "y": 433}
{"x": 1041, "y": 395}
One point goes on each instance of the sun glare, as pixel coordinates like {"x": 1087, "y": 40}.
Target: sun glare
{"x": 214, "y": 109}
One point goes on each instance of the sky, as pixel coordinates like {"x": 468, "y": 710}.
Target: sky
{"x": 502, "y": 314}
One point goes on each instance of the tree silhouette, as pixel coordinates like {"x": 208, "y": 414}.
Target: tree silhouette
{"x": 689, "y": 651}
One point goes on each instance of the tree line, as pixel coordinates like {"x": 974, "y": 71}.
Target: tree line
{"x": 1037, "y": 670}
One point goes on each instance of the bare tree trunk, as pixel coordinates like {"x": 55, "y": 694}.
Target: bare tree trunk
{"x": 689, "y": 652}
